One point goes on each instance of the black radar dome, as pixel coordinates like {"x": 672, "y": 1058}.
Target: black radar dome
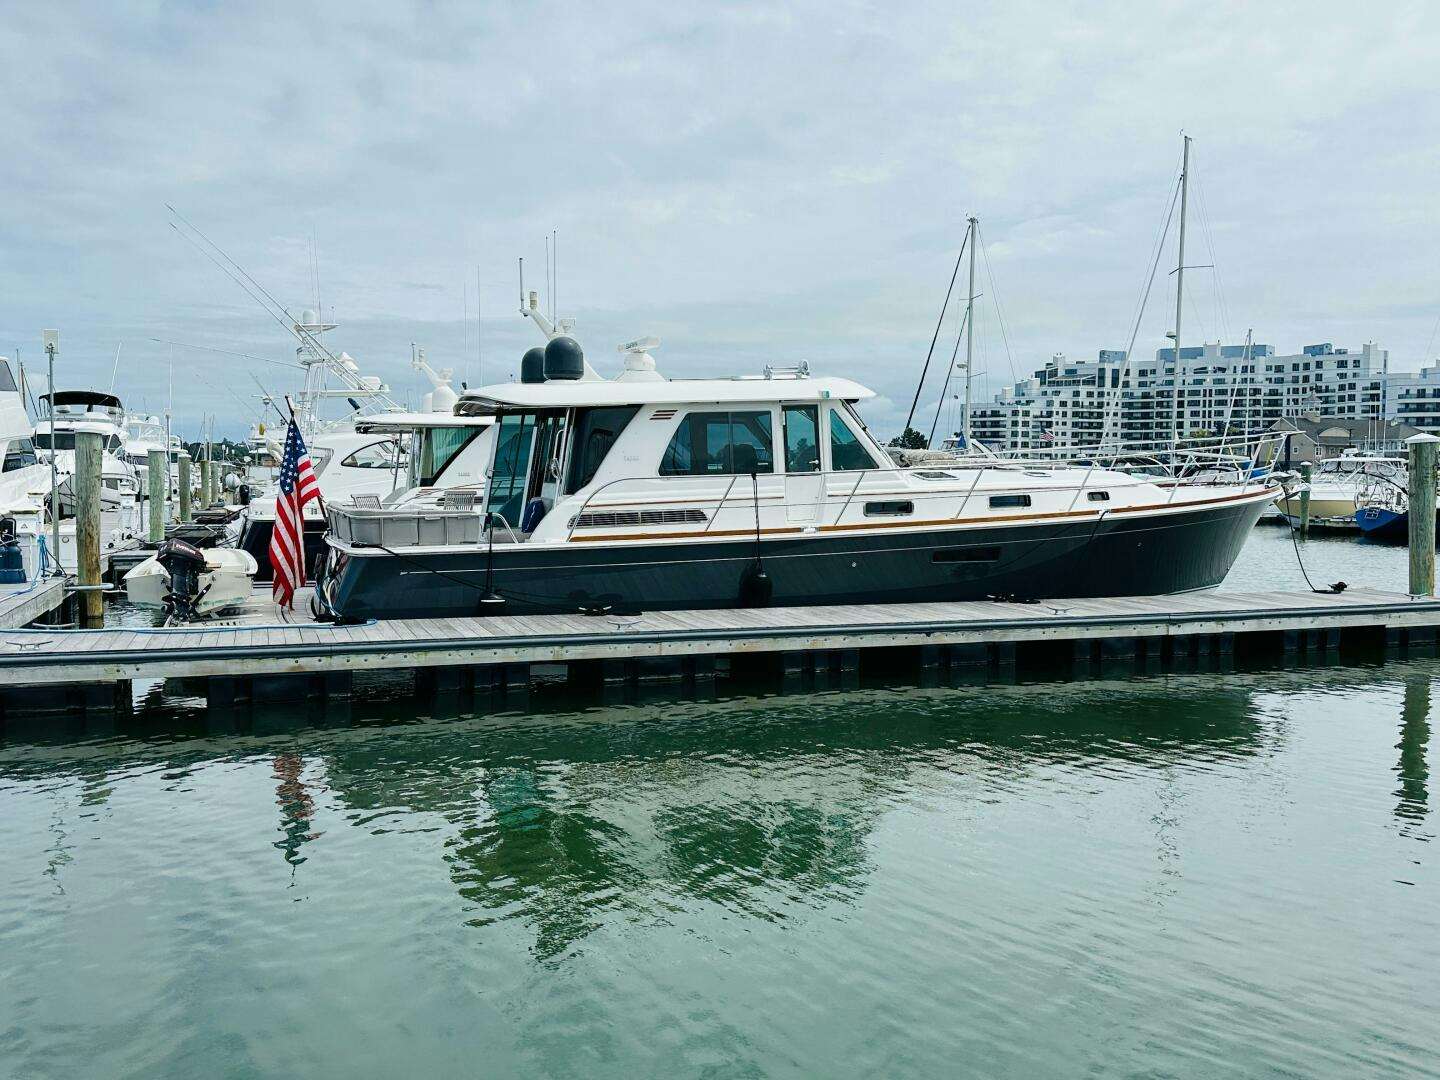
{"x": 532, "y": 365}
{"x": 564, "y": 359}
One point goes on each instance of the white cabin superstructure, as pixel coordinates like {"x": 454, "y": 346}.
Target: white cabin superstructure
{"x": 74, "y": 411}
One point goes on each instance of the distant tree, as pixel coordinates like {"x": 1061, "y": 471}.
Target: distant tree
{"x": 910, "y": 439}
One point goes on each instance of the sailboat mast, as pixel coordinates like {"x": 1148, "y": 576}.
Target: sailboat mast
{"x": 969, "y": 336}
{"x": 1180, "y": 285}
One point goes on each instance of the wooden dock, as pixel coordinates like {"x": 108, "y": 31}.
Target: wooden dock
{"x": 20, "y": 605}
{"x": 488, "y": 653}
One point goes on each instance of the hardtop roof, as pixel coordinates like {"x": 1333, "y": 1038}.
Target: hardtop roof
{"x": 560, "y": 394}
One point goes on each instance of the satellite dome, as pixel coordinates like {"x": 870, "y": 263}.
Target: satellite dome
{"x": 532, "y": 365}
{"x": 564, "y": 359}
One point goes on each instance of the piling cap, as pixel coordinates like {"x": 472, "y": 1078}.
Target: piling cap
{"x": 1423, "y": 437}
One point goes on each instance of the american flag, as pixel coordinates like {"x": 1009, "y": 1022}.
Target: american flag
{"x": 287, "y": 538}
{"x": 1047, "y": 436}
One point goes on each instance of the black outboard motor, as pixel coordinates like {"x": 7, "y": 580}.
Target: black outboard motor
{"x": 184, "y": 563}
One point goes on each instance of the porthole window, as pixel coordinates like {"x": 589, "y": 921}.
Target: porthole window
{"x": 889, "y": 509}
{"x": 998, "y": 502}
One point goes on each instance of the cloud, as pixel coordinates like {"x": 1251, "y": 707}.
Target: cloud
{"x": 758, "y": 181}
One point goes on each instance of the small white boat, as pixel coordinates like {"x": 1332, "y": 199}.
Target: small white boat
{"x": 223, "y": 584}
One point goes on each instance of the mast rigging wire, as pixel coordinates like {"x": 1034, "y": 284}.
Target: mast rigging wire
{"x": 995, "y": 299}
{"x": 936, "y": 336}
{"x": 955, "y": 353}
{"x": 1140, "y": 312}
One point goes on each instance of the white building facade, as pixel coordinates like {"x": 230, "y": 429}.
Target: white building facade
{"x": 1414, "y": 397}
{"x": 1222, "y": 388}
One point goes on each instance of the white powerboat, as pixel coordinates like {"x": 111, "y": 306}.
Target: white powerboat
{"x": 75, "y": 411}
{"x": 224, "y": 583}
{"x": 1337, "y": 486}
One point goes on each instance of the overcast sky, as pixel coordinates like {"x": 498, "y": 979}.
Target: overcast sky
{"x": 753, "y": 183}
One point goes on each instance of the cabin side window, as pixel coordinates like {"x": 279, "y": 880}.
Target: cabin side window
{"x": 438, "y": 447}
{"x": 595, "y": 432}
{"x": 7, "y": 380}
{"x": 847, "y": 452}
{"x": 999, "y": 502}
{"x": 378, "y": 455}
{"x": 720, "y": 444}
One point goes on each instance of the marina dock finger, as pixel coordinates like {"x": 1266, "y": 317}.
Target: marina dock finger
{"x": 472, "y": 654}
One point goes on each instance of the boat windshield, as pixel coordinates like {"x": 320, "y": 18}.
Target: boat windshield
{"x": 63, "y": 440}
{"x": 847, "y": 452}
{"x": 19, "y": 453}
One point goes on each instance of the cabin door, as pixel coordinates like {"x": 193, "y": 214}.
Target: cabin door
{"x": 804, "y": 482}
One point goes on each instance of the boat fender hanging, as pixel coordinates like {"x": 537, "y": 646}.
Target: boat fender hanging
{"x": 756, "y": 588}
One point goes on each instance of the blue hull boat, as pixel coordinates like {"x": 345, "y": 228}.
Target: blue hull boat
{"x": 1378, "y": 523}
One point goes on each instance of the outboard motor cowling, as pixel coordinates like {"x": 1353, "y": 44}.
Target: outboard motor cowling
{"x": 183, "y": 563}
{"x": 12, "y": 559}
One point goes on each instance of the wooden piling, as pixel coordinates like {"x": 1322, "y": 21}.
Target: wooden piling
{"x": 87, "y": 523}
{"x": 185, "y": 492}
{"x": 1307, "y": 471}
{"x": 1422, "y": 513}
{"x": 155, "y": 463}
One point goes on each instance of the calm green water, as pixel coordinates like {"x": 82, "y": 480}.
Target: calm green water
{"x": 1269, "y": 562}
{"x": 1205, "y": 875}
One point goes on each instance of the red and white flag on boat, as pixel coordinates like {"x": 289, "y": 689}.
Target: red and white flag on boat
{"x": 287, "y": 538}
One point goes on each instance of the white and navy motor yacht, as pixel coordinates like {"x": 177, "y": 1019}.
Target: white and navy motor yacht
{"x": 569, "y": 492}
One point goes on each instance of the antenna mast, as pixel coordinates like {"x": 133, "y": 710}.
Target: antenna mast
{"x": 1180, "y": 287}
{"x": 969, "y": 335}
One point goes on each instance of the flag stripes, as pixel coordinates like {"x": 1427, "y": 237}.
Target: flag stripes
{"x": 298, "y": 486}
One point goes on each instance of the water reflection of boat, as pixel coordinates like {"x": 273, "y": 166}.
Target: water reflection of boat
{"x": 568, "y": 820}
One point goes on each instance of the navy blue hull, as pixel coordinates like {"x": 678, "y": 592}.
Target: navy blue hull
{"x": 1039, "y": 560}
{"x": 1381, "y": 524}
